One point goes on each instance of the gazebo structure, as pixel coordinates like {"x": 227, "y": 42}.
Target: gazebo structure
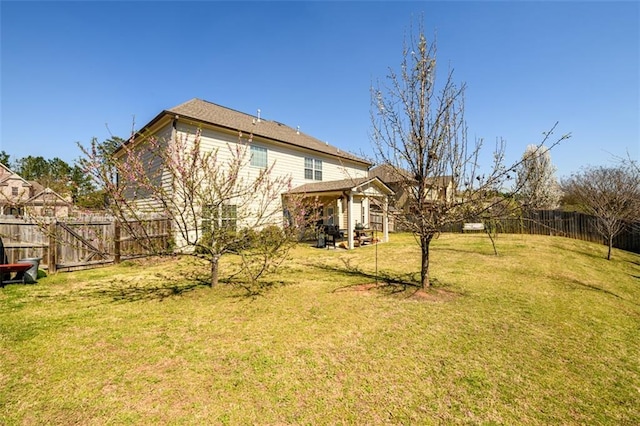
{"x": 347, "y": 203}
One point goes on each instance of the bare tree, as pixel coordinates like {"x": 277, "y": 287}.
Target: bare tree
{"x": 536, "y": 178}
{"x": 611, "y": 194}
{"x": 217, "y": 204}
{"x": 419, "y": 131}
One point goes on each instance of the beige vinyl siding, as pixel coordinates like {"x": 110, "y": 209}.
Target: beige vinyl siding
{"x": 357, "y": 211}
{"x": 290, "y": 161}
{"x": 286, "y": 160}
{"x": 227, "y": 145}
{"x": 211, "y": 140}
{"x": 154, "y": 172}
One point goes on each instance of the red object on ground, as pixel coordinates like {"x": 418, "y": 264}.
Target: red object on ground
{"x": 8, "y": 268}
{"x": 14, "y": 267}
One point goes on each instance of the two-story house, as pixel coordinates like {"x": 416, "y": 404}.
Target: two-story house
{"x": 336, "y": 179}
{"x": 19, "y": 197}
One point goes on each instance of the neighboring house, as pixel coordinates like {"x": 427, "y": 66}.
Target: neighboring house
{"x": 47, "y": 202}
{"x": 400, "y": 181}
{"x": 337, "y": 179}
{"x": 19, "y": 197}
{"x": 440, "y": 189}
{"x": 14, "y": 191}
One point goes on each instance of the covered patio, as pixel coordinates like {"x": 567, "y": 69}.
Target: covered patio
{"x": 346, "y": 205}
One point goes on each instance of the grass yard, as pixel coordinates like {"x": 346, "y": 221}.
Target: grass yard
{"x": 546, "y": 333}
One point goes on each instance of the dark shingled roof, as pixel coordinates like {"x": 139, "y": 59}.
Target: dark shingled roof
{"x": 334, "y": 185}
{"x": 331, "y": 185}
{"x": 390, "y": 174}
{"x": 210, "y": 113}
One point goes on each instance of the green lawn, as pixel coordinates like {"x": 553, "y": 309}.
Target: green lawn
{"x": 546, "y": 333}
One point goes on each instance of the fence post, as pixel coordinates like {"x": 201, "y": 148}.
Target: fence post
{"x": 53, "y": 247}
{"x": 116, "y": 241}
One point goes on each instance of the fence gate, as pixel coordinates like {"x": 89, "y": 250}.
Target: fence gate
{"x": 81, "y": 244}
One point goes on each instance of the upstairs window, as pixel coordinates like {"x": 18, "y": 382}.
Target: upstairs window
{"x": 14, "y": 191}
{"x": 258, "y": 156}
{"x": 312, "y": 169}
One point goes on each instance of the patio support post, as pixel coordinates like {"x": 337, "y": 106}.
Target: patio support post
{"x": 350, "y": 221}
{"x": 366, "y": 208}
{"x": 385, "y": 219}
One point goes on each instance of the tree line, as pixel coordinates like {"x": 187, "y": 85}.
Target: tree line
{"x": 64, "y": 178}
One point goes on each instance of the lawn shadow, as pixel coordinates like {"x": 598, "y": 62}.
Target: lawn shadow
{"x": 584, "y": 250}
{"x": 253, "y": 290}
{"x": 123, "y": 291}
{"x": 488, "y": 250}
{"x": 635, "y": 263}
{"x": 164, "y": 287}
{"x": 590, "y": 287}
{"x": 399, "y": 280}
{"x": 396, "y": 285}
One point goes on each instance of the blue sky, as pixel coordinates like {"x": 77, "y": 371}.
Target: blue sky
{"x": 68, "y": 69}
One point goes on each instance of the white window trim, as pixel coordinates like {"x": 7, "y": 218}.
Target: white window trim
{"x": 260, "y": 149}
{"x": 316, "y": 167}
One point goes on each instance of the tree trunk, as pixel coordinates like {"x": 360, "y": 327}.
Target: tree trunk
{"x": 214, "y": 270}
{"x": 489, "y": 229}
{"x": 424, "y": 270}
{"x": 610, "y": 239}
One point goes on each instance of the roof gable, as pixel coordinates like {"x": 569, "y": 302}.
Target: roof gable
{"x": 387, "y": 173}
{"x": 7, "y": 174}
{"x": 41, "y": 197}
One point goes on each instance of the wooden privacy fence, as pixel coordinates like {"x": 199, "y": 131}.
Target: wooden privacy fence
{"x": 376, "y": 221}
{"x": 575, "y": 225}
{"x": 74, "y": 245}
